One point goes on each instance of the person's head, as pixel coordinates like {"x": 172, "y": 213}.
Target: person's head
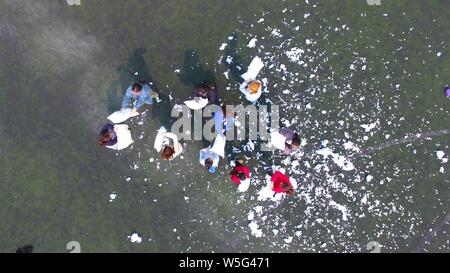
{"x": 241, "y": 176}
{"x": 136, "y": 88}
{"x": 208, "y": 163}
{"x": 203, "y": 89}
{"x": 167, "y": 152}
{"x": 287, "y": 188}
{"x": 104, "y": 137}
{"x": 253, "y": 87}
{"x": 295, "y": 142}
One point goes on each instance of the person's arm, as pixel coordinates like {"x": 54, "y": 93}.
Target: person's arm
{"x": 246, "y": 170}
{"x": 235, "y": 179}
{"x": 243, "y": 88}
{"x": 202, "y": 156}
{"x": 159, "y": 141}
{"x": 127, "y": 98}
{"x": 287, "y": 133}
{"x": 172, "y": 136}
{"x": 216, "y": 160}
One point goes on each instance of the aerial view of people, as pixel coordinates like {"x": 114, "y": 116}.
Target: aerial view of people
{"x": 218, "y": 135}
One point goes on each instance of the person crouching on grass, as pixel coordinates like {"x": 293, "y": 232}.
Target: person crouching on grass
{"x": 206, "y": 91}
{"x": 115, "y": 137}
{"x": 167, "y": 144}
{"x": 241, "y": 175}
{"x": 282, "y": 184}
{"x": 142, "y": 93}
{"x": 209, "y": 159}
{"x": 252, "y": 90}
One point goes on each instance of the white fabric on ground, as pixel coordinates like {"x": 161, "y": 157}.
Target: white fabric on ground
{"x": 124, "y": 138}
{"x": 244, "y": 185}
{"x": 219, "y": 145}
{"x": 196, "y": 104}
{"x": 159, "y": 140}
{"x": 123, "y": 115}
{"x": 277, "y": 140}
{"x": 253, "y": 69}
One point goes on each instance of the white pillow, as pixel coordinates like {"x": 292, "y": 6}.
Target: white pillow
{"x": 123, "y": 136}
{"x": 196, "y": 104}
{"x": 253, "y": 69}
{"x": 219, "y": 145}
{"x": 121, "y": 116}
{"x": 278, "y": 140}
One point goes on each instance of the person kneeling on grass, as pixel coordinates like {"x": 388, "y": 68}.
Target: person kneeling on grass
{"x": 286, "y": 140}
{"x": 241, "y": 175}
{"x": 282, "y": 184}
{"x": 206, "y": 91}
{"x": 209, "y": 159}
{"x": 252, "y": 90}
{"x": 167, "y": 144}
{"x": 115, "y": 137}
{"x": 140, "y": 92}
{"x": 292, "y": 142}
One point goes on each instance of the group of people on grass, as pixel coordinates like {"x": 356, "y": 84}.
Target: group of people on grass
{"x": 117, "y": 136}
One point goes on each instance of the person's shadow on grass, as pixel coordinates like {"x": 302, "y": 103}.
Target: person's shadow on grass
{"x": 137, "y": 70}
{"x": 232, "y": 60}
{"x": 193, "y": 72}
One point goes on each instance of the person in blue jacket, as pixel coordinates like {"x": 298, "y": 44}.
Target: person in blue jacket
{"x": 141, "y": 93}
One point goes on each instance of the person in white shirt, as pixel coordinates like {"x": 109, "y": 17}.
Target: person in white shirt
{"x": 167, "y": 144}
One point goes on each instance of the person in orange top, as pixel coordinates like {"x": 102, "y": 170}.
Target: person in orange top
{"x": 252, "y": 90}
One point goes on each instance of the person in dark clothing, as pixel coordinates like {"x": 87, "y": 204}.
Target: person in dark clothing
{"x": 292, "y": 140}
{"x": 25, "y": 249}
{"x": 206, "y": 91}
{"x": 108, "y": 136}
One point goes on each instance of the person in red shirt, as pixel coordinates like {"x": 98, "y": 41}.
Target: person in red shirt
{"x": 241, "y": 175}
{"x": 240, "y": 172}
{"x": 282, "y": 184}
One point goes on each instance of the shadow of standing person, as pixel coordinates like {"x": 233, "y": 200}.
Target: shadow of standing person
{"x": 137, "y": 70}
{"x": 234, "y": 62}
{"x": 193, "y": 72}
